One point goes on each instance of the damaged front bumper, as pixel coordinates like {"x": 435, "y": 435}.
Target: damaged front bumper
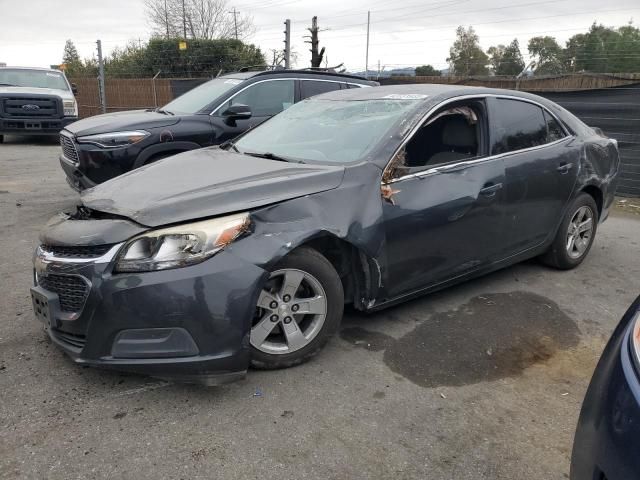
{"x": 188, "y": 324}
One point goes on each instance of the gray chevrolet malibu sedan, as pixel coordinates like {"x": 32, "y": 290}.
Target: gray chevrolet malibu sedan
{"x": 202, "y": 264}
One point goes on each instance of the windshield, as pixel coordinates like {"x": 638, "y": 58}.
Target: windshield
{"x": 19, "y": 77}
{"x": 195, "y": 100}
{"x": 326, "y": 131}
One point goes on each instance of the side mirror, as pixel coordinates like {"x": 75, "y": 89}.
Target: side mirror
{"x": 74, "y": 88}
{"x": 236, "y": 112}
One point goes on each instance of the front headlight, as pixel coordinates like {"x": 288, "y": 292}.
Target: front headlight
{"x": 115, "y": 139}
{"x": 180, "y": 246}
{"x": 70, "y": 108}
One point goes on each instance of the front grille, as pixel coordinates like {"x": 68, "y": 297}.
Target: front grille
{"x": 80, "y": 251}
{"x": 31, "y": 107}
{"x": 72, "y": 290}
{"x": 68, "y": 148}
{"x": 71, "y": 339}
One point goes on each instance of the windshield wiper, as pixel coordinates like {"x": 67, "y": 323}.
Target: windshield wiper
{"x": 8, "y": 85}
{"x": 272, "y": 156}
{"x": 229, "y": 144}
{"x": 164, "y": 112}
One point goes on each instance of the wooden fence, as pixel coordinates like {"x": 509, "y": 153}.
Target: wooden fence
{"x": 122, "y": 94}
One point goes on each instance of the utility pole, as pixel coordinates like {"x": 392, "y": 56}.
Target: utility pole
{"x": 184, "y": 20}
{"x": 366, "y": 61}
{"x": 287, "y": 44}
{"x": 103, "y": 99}
{"x": 316, "y": 57}
{"x": 235, "y": 20}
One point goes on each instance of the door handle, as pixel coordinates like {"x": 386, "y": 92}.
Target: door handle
{"x": 490, "y": 190}
{"x": 564, "y": 168}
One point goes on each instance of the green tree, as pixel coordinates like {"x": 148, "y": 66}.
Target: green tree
{"x": 604, "y": 49}
{"x": 466, "y": 57}
{"x": 627, "y": 50}
{"x": 548, "y": 55}
{"x": 71, "y": 58}
{"x": 427, "y": 71}
{"x": 200, "y": 58}
{"x": 506, "y": 60}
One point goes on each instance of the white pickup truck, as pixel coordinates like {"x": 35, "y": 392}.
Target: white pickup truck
{"x": 35, "y": 101}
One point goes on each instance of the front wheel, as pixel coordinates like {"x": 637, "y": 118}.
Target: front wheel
{"x": 299, "y": 309}
{"x": 575, "y": 235}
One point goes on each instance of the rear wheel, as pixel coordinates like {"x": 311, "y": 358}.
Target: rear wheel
{"x": 1, "y": 138}
{"x": 575, "y": 235}
{"x": 299, "y": 309}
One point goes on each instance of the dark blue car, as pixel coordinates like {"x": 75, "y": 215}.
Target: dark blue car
{"x": 607, "y": 443}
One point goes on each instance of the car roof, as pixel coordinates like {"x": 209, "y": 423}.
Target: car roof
{"x": 417, "y": 90}
{"x": 302, "y": 73}
{"x": 426, "y": 92}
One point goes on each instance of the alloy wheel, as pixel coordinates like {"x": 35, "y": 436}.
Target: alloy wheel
{"x": 291, "y": 310}
{"x": 580, "y": 232}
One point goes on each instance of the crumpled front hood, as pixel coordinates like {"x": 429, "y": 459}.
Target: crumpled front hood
{"x": 204, "y": 183}
{"x": 119, "y": 121}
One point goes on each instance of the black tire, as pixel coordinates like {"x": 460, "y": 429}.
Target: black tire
{"x": 1, "y": 138}
{"x": 314, "y": 263}
{"x": 558, "y": 256}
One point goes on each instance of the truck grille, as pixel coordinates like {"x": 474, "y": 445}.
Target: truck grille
{"x": 80, "y": 251}
{"x": 72, "y": 290}
{"x": 69, "y": 148}
{"x": 31, "y": 107}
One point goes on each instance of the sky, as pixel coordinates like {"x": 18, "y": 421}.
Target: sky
{"x": 403, "y": 32}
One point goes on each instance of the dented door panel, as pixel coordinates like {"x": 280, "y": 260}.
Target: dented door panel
{"x": 444, "y": 225}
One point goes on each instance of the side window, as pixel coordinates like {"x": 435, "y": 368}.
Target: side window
{"x": 309, "y": 88}
{"x": 517, "y": 125}
{"x": 266, "y": 98}
{"x": 350, "y": 85}
{"x": 453, "y": 134}
{"x": 554, "y": 130}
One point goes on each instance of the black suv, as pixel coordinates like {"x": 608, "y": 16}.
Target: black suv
{"x": 99, "y": 148}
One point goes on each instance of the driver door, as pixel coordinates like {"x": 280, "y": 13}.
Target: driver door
{"x": 445, "y": 217}
{"x": 266, "y": 99}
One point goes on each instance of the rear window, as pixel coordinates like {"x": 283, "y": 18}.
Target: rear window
{"x": 309, "y": 88}
{"x": 517, "y": 125}
{"x": 554, "y": 130}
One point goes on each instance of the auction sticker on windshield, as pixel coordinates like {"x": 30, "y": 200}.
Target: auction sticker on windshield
{"x": 408, "y": 96}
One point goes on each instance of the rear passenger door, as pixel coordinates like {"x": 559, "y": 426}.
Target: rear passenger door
{"x": 541, "y": 166}
{"x": 309, "y": 88}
